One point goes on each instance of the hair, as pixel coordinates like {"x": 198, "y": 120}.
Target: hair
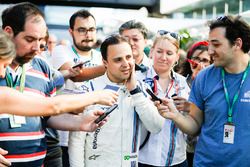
{"x": 235, "y": 27}
{"x": 15, "y": 16}
{"x": 80, "y": 13}
{"x": 133, "y": 24}
{"x": 111, "y": 40}
{"x": 7, "y": 47}
{"x": 202, "y": 46}
{"x": 174, "y": 41}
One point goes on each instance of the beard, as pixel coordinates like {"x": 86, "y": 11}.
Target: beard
{"x": 24, "y": 59}
{"x": 83, "y": 48}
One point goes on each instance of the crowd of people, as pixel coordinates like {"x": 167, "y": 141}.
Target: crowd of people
{"x": 52, "y": 94}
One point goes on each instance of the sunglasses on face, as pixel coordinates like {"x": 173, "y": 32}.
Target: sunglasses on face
{"x": 43, "y": 47}
{"x": 172, "y": 34}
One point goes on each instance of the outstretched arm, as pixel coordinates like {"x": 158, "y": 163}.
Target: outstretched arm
{"x": 13, "y": 102}
{"x": 80, "y": 74}
{"x": 80, "y": 122}
{"x": 188, "y": 123}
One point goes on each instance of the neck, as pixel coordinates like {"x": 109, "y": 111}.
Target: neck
{"x": 83, "y": 53}
{"x": 14, "y": 65}
{"x": 111, "y": 79}
{"x": 163, "y": 75}
{"x": 138, "y": 59}
{"x": 238, "y": 65}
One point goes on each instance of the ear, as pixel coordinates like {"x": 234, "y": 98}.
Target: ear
{"x": 70, "y": 31}
{"x": 238, "y": 43}
{"x": 105, "y": 63}
{"x": 151, "y": 52}
{"x": 9, "y": 31}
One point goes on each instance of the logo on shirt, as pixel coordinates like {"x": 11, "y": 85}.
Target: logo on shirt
{"x": 95, "y": 138}
{"x": 246, "y": 97}
{"x": 128, "y": 157}
{"x": 247, "y": 94}
{"x": 93, "y": 157}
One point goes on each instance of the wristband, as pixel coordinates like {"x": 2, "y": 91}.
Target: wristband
{"x": 136, "y": 90}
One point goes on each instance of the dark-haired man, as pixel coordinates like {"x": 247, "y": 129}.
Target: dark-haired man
{"x": 117, "y": 143}
{"x": 220, "y": 98}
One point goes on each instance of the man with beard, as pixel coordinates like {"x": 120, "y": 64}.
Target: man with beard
{"x": 24, "y": 137}
{"x": 83, "y": 32}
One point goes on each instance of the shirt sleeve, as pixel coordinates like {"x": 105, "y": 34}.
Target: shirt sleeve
{"x": 147, "y": 112}
{"x": 196, "y": 91}
{"x": 60, "y": 55}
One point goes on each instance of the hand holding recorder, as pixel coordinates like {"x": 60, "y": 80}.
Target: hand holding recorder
{"x": 106, "y": 113}
{"x": 153, "y": 96}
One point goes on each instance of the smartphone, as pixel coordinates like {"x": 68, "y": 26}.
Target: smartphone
{"x": 106, "y": 113}
{"x": 153, "y": 96}
{"x": 174, "y": 95}
{"x": 80, "y": 64}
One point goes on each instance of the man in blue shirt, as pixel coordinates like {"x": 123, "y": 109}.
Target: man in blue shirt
{"x": 220, "y": 96}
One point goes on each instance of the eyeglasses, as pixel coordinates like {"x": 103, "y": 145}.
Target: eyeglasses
{"x": 84, "y": 31}
{"x": 172, "y": 34}
{"x": 197, "y": 59}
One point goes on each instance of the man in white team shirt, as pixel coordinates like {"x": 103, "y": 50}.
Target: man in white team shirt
{"x": 83, "y": 32}
{"x": 116, "y": 144}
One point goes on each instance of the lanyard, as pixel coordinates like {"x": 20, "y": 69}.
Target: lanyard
{"x": 10, "y": 83}
{"x": 236, "y": 96}
{"x": 172, "y": 83}
{"x": 74, "y": 50}
{"x": 79, "y": 57}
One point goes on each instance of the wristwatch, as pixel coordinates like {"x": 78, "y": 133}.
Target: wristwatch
{"x": 136, "y": 90}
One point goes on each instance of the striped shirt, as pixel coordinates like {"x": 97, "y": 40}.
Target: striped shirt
{"x": 27, "y": 144}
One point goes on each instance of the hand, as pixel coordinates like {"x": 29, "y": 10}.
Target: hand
{"x": 181, "y": 103}
{"x": 88, "y": 124}
{"x": 167, "y": 108}
{"x": 131, "y": 81}
{"x": 3, "y": 161}
{"x": 105, "y": 97}
{"x": 71, "y": 72}
{"x": 196, "y": 70}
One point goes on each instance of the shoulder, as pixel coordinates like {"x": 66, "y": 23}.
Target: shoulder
{"x": 211, "y": 72}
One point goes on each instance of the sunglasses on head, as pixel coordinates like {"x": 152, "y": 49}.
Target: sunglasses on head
{"x": 224, "y": 19}
{"x": 172, "y": 34}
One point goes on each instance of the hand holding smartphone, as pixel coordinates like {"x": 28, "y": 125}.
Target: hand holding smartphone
{"x": 153, "y": 96}
{"x": 80, "y": 64}
{"x": 106, "y": 113}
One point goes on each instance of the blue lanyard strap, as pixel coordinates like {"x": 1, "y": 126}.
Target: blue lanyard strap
{"x": 236, "y": 96}
{"x": 10, "y": 82}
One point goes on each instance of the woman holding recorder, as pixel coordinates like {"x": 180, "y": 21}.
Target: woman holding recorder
{"x": 168, "y": 147}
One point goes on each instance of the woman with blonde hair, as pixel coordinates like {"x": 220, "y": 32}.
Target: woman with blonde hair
{"x": 168, "y": 147}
